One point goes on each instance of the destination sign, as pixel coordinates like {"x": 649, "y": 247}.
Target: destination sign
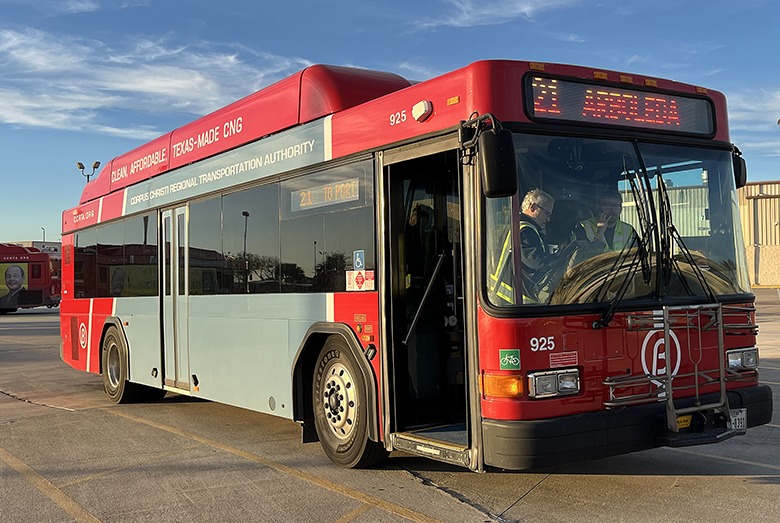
{"x": 323, "y": 195}
{"x": 557, "y": 99}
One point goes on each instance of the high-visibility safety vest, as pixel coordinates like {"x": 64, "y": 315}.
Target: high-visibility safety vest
{"x": 525, "y": 227}
{"x": 498, "y": 284}
{"x": 623, "y": 234}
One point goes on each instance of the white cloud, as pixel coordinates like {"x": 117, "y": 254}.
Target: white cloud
{"x": 417, "y": 72}
{"x": 63, "y": 82}
{"x": 753, "y": 117}
{"x": 80, "y": 6}
{"x": 470, "y": 13}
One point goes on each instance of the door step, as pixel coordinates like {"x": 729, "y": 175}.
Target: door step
{"x": 434, "y": 449}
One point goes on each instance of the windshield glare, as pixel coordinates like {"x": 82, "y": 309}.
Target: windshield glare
{"x": 600, "y": 220}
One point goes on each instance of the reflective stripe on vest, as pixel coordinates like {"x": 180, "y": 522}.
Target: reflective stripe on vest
{"x": 502, "y": 289}
{"x": 526, "y": 225}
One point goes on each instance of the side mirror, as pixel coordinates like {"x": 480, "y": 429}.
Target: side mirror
{"x": 740, "y": 170}
{"x": 497, "y": 162}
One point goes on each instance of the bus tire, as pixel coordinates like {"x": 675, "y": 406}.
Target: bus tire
{"x": 340, "y": 405}
{"x": 115, "y": 368}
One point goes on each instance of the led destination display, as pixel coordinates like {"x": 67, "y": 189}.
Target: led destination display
{"x": 590, "y": 103}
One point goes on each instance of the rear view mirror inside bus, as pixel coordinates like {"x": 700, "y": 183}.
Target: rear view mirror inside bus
{"x": 497, "y": 161}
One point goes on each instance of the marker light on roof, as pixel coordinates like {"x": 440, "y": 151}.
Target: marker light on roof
{"x": 422, "y": 110}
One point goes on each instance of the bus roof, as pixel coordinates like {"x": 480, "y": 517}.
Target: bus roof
{"x": 312, "y": 93}
{"x": 12, "y": 250}
{"x": 364, "y": 109}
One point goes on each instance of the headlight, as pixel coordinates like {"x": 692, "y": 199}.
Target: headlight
{"x": 742, "y": 359}
{"x": 547, "y": 384}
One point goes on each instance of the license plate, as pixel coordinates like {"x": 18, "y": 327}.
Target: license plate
{"x": 683, "y": 422}
{"x": 738, "y": 419}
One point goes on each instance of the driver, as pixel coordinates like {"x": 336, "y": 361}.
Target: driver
{"x": 536, "y": 210}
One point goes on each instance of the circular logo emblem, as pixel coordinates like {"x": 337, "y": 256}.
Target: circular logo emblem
{"x": 83, "y": 336}
{"x": 656, "y": 356}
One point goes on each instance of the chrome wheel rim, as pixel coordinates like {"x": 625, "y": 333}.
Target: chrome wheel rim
{"x": 339, "y": 400}
{"x": 113, "y": 366}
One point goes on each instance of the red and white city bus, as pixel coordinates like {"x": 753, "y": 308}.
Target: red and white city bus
{"x": 345, "y": 249}
{"x": 30, "y": 278}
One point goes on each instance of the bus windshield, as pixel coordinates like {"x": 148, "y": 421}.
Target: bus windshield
{"x": 603, "y": 221}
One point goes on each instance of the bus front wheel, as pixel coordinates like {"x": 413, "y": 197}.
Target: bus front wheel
{"x": 341, "y": 409}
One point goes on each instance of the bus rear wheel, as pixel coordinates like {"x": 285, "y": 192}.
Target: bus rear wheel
{"x": 341, "y": 408}
{"x": 115, "y": 369}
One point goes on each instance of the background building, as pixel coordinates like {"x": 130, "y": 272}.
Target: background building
{"x": 759, "y": 206}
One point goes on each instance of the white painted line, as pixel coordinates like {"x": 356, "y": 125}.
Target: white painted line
{"x": 724, "y": 458}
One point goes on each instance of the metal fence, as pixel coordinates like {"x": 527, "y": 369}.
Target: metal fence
{"x": 759, "y": 207}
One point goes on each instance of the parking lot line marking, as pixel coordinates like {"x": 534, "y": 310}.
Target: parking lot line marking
{"x": 724, "y": 458}
{"x": 66, "y": 503}
{"x": 362, "y": 509}
{"x": 382, "y": 504}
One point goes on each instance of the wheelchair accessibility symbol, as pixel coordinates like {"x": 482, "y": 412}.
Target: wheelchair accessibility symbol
{"x": 358, "y": 260}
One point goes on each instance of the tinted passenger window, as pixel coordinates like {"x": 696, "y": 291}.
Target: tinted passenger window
{"x": 250, "y": 240}
{"x": 328, "y": 223}
{"x": 84, "y": 264}
{"x": 206, "y": 261}
{"x": 139, "y": 269}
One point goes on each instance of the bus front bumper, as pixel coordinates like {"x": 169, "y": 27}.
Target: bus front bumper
{"x": 518, "y": 445}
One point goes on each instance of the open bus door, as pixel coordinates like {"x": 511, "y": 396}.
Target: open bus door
{"x": 425, "y": 308}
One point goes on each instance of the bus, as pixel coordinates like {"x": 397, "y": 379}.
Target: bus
{"x": 31, "y": 278}
{"x": 350, "y": 250}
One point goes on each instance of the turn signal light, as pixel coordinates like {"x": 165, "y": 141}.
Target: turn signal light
{"x": 502, "y": 385}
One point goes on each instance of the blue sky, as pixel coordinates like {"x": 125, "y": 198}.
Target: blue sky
{"x": 86, "y": 80}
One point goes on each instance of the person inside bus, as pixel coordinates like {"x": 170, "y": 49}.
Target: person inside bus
{"x": 606, "y": 231}
{"x": 14, "y": 281}
{"x": 536, "y": 258}
{"x": 117, "y": 282}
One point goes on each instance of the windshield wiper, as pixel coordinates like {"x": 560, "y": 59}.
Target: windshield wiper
{"x": 633, "y": 264}
{"x": 641, "y": 255}
{"x": 669, "y": 236}
{"x": 642, "y": 206}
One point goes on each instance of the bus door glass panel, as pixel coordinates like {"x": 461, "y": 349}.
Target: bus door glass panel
{"x": 427, "y": 309}
{"x": 175, "y": 298}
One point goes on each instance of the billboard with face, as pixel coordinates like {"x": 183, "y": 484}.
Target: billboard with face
{"x": 13, "y": 283}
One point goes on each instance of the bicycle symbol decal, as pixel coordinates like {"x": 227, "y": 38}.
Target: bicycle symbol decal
{"x": 509, "y": 359}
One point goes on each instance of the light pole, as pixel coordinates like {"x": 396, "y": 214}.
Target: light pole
{"x": 44, "y": 234}
{"x": 81, "y": 168}
{"x": 245, "y": 214}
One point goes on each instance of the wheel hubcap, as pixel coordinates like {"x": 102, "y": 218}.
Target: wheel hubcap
{"x": 112, "y": 364}
{"x": 339, "y": 400}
